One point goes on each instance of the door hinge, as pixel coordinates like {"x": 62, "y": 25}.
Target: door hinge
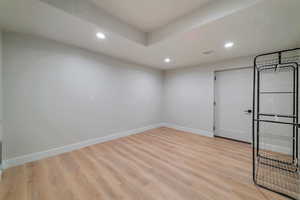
{"x": 215, "y": 103}
{"x": 214, "y": 128}
{"x": 215, "y": 77}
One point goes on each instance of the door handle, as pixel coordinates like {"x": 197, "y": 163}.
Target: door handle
{"x": 248, "y": 111}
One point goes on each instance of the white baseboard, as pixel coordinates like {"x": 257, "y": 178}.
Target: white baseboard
{"x": 276, "y": 148}
{"x": 56, "y": 151}
{"x": 187, "y": 129}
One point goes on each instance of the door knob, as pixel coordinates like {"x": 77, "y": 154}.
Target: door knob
{"x": 248, "y": 111}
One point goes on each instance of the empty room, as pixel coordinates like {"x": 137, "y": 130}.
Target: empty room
{"x": 149, "y": 99}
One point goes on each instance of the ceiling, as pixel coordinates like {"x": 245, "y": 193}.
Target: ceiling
{"x": 149, "y": 15}
{"x": 255, "y": 26}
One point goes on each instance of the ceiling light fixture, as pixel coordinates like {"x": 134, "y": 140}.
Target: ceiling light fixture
{"x": 228, "y": 45}
{"x": 101, "y": 36}
{"x": 167, "y": 60}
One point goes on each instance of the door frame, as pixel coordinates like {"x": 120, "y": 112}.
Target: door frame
{"x": 214, "y": 100}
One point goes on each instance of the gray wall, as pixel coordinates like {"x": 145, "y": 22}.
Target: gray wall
{"x": 189, "y": 94}
{"x": 55, "y": 95}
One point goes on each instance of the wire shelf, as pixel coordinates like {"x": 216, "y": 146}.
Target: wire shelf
{"x": 277, "y": 172}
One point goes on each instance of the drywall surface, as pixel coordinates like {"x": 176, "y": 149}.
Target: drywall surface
{"x": 56, "y": 95}
{"x": 189, "y": 94}
{"x": 1, "y": 60}
{"x": 1, "y": 110}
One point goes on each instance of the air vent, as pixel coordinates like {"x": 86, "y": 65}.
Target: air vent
{"x": 207, "y": 52}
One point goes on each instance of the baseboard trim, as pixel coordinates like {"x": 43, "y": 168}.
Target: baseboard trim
{"x": 187, "y": 129}
{"x": 275, "y": 148}
{"x": 56, "y": 151}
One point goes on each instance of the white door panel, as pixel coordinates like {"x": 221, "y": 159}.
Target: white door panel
{"x": 233, "y": 96}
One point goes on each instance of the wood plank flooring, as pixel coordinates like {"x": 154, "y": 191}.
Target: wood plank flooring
{"x": 158, "y": 164}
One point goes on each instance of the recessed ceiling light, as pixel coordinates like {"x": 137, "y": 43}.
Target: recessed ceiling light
{"x": 101, "y": 36}
{"x": 167, "y": 60}
{"x": 228, "y": 44}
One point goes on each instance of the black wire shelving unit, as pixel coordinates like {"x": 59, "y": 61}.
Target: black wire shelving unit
{"x": 272, "y": 169}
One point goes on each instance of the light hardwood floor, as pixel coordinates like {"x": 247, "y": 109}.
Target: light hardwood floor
{"x": 157, "y": 164}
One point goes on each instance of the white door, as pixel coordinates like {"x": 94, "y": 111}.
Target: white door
{"x": 233, "y": 104}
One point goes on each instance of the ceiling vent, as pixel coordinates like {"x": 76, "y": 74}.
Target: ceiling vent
{"x": 207, "y": 52}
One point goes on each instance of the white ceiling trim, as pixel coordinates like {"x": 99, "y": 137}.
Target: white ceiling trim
{"x": 263, "y": 27}
{"x": 92, "y": 13}
{"x": 206, "y": 14}
{"x": 88, "y": 11}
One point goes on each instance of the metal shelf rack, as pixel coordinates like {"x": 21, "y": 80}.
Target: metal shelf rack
{"x": 276, "y": 171}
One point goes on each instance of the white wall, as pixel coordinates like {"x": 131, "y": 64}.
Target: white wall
{"x": 0, "y": 85}
{"x": 1, "y": 116}
{"x": 189, "y": 94}
{"x": 55, "y": 95}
